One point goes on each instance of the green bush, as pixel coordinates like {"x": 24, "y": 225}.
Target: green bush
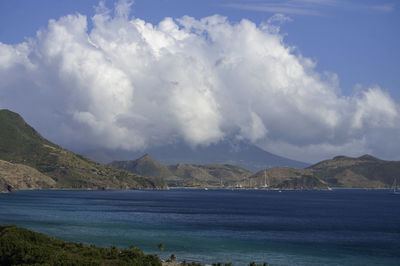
{"x": 19, "y": 246}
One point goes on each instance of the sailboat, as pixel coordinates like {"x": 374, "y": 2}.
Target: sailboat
{"x": 395, "y": 190}
{"x": 265, "y": 186}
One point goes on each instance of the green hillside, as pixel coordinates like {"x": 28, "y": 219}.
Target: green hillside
{"x": 345, "y": 172}
{"x": 185, "y": 175}
{"x": 365, "y": 171}
{"x": 21, "y": 144}
{"x": 285, "y": 178}
{"x": 145, "y": 166}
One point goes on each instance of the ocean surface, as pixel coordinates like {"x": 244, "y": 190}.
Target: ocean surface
{"x": 339, "y": 227}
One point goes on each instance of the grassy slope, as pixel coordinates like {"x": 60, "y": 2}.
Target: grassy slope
{"x": 19, "y": 176}
{"x": 287, "y": 178}
{"x": 341, "y": 171}
{"x": 19, "y": 246}
{"x": 20, "y": 143}
{"x": 365, "y": 171}
{"x": 188, "y": 175}
{"x": 145, "y": 166}
{"x": 210, "y": 175}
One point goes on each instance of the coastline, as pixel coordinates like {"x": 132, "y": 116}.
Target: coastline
{"x": 198, "y": 188}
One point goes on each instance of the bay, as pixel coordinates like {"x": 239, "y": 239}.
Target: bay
{"x": 339, "y": 227}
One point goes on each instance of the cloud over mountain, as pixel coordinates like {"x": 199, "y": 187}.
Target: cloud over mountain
{"x": 125, "y": 83}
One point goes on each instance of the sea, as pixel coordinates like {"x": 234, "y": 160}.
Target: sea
{"x": 338, "y": 227}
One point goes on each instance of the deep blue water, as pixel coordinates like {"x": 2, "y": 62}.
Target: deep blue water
{"x": 340, "y": 227}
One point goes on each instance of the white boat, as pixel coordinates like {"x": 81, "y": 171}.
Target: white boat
{"x": 265, "y": 186}
{"x": 394, "y": 186}
{"x": 238, "y": 186}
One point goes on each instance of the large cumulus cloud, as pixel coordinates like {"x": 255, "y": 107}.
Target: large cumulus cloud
{"x": 126, "y": 83}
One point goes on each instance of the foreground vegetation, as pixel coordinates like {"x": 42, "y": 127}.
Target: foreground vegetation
{"x": 19, "y": 246}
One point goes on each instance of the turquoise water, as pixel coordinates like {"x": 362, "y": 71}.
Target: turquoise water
{"x": 340, "y": 227}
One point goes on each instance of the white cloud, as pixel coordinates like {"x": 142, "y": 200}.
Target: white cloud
{"x": 308, "y": 7}
{"x": 386, "y": 8}
{"x": 284, "y": 8}
{"x": 129, "y": 84}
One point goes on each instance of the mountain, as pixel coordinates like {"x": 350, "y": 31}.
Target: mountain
{"x": 20, "y": 144}
{"x": 346, "y": 172}
{"x": 185, "y": 175}
{"x": 240, "y": 153}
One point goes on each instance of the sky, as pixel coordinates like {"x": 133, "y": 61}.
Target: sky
{"x": 305, "y": 79}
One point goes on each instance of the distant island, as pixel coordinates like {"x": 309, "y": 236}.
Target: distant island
{"x": 29, "y": 161}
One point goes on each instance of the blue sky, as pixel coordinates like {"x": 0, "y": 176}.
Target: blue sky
{"x": 325, "y": 83}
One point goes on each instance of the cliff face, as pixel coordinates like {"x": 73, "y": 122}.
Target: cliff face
{"x": 21, "y": 144}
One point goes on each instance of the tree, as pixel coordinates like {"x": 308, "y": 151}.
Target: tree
{"x": 160, "y": 246}
{"x": 173, "y": 257}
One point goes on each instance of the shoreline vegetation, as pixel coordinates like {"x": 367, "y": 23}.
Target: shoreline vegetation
{"x": 20, "y": 246}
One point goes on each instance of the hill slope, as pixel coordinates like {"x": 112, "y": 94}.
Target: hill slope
{"x": 21, "y": 144}
{"x": 285, "y": 178}
{"x": 365, "y": 171}
{"x": 145, "y": 166}
{"x": 22, "y": 177}
{"x": 185, "y": 175}
{"x": 346, "y": 172}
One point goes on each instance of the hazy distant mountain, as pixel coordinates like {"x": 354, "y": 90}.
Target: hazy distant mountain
{"x": 186, "y": 175}
{"x": 21, "y": 145}
{"x": 237, "y": 153}
{"x": 341, "y": 171}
